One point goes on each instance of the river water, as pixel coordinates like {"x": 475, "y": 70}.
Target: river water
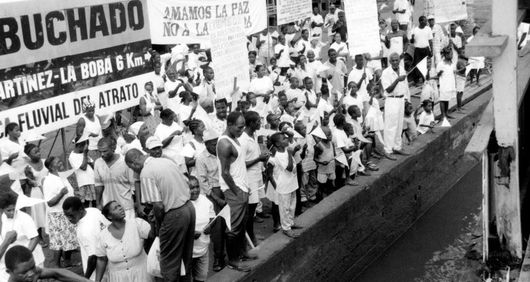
{"x": 434, "y": 248}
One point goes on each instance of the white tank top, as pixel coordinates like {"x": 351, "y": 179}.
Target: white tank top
{"x": 238, "y": 169}
{"x": 93, "y": 127}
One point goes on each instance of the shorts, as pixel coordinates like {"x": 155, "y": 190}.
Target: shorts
{"x": 87, "y": 193}
{"x": 199, "y": 268}
{"x": 324, "y": 177}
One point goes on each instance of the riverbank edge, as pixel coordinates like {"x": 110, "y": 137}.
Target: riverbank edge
{"x": 349, "y": 229}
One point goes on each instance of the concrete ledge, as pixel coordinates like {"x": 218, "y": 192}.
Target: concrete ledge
{"x": 345, "y": 232}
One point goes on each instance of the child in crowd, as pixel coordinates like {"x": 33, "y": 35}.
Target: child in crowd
{"x": 204, "y": 214}
{"x": 409, "y": 123}
{"x": 446, "y": 77}
{"x": 426, "y": 120}
{"x": 325, "y": 160}
{"x": 460, "y": 76}
{"x": 284, "y": 181}
{"x": 82, "y": 165}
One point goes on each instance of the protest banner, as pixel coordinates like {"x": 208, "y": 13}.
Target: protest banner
{"x": 449, "y": 10}
{"x": 229, "y": 56}
{"x": 363, "y": 26}
{"x": 289, "y": 11}
{"x": 189, "y": 21}
{"x": 56, "y": 55}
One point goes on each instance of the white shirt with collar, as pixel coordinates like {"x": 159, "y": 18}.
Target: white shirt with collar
{"x": 389, "y": 76}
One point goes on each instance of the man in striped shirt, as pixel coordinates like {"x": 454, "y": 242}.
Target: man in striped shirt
{"x": 165, "y": 187}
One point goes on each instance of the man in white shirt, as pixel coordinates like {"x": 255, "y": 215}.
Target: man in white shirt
{"x": 422, "y": 40}
{"x": 170, "y": 133}
{"x": 335, "y": 73}
{"x": 219, "y": 117}
{"x": 394, "y": 81}
{"x": 88, "y": 223}
{"x": 316, "y": 24}
{"x": 403, "y": 12}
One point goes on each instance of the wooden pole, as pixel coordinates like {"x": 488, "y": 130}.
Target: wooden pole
{"x": 53, "y": 144}
{"x": 505, "y": 111}
{"x": 63, "y": 139}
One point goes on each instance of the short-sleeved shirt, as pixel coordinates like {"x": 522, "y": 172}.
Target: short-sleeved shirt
{"x": 203, "y": 212}
{"x": 425, "y": 119}
{"x": 162, "y": 181}
{"x": 207, "y": 172}
{"x": 51, "y": 187}
{"x": 84, "y": 177}
{"x": 389, "y": 76}
{"x": 117, "y": 180}
{"x": 286, "y": 181}
{"x": 422, "y": 36}
{"x": 87, "y": 231}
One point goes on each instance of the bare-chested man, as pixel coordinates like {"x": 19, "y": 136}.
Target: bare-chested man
{"x": 233, "y": 182}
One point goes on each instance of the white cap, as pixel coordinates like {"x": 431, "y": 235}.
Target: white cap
{"x": 153, "y": 142}
{"x": 134, "y": 128}
{"x": 210, "y": 135}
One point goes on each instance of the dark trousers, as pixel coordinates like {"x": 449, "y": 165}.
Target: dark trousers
{"x": 218, "y": 227}
{"x": 299, "y": 174}
{"x": 235, "y": 238}
{"x": 250, "y": 222}
{"x": 176, "y": 242}
{"x": 419, "y": 54}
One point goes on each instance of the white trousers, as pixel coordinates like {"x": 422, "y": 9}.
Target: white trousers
{"x": 394, "y": 112}
{"x": 287, "y": 206}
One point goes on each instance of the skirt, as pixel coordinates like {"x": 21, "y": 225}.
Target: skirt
{"x": 38, "y": 211}
{"x": 61, "y": 232}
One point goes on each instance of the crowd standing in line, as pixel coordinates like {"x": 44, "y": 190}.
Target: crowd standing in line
{"x": 147, "y": 191}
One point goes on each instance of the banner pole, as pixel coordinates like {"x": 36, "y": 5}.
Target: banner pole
{"x": 53, "y": 144}
{"x": 63, "y": 138}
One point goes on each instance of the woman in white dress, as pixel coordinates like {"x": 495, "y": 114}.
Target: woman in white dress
{"x": 35, "y": 172}
{"x": 16, "y": 228}
{"x": 262, "y": 86}
{"x": 121, "y": 247}
{"x": 447, "y": 80}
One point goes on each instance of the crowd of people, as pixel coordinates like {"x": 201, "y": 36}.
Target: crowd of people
{"x": 146, "y": 187}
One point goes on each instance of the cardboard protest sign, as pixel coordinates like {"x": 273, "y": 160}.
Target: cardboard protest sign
{"x": 56, "y": 55}
{"x": 190, "y": 21}
{"x": 363, "y": 26}
{"x": 449, "y": 10}
{"x": 229, "y": 56}
{"x": 289, "y": 11}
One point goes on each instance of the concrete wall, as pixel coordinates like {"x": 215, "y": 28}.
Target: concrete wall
{"x": 353, "y": 226}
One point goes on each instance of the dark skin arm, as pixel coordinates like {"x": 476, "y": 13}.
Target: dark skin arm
{"x": 80, "y": 127}
{"x": 158, "y": 211}
{"x": 226, "y": 152}
{"x": 101, "y": 265}
{"x": 60, "y": 275}
{"x": 270, "y": 169}
{"x": 91, "y": 265}
{"x": 99, "y": 196}
{"x": 53, "y": 201}
{"x": 290, "y": 164}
